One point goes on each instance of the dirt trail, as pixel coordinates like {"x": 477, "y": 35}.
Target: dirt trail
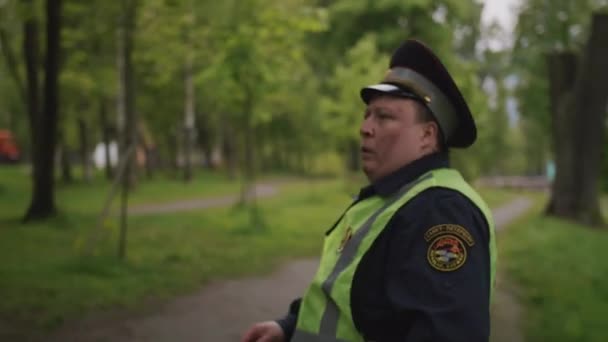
{"x": 221, "y": 311}
{"x": 506, "y": 311}
{"x": 261, "y": 190}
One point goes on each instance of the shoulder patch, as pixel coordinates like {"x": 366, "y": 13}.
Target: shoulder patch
{"x": 447, "y": 250}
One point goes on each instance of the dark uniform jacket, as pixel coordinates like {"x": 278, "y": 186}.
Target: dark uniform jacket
{"x": 396, "y": 294}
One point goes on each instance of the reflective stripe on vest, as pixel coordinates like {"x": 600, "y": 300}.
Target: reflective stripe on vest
{"x": 325, "y": 311}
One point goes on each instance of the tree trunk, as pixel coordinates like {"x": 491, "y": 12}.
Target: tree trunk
{"x": 64, "y": 161}
{"x": 127, "y": 29}
{"x": 105, "y": 133}
{"x": 228, "y": 149}
{"x": 249, "y": 149}
{"x": 44, "y": 126}
{"x": 121, "y": 106}
{"x": 204, "y": 139}
{"x": 248, "y": 169}
{"x": 248, "y": 195}
{"x": 284, "y": 154}
{"x": 593, "y": 99}
{"x": 125, "y": 100}
{"x": 188, "y": 118}
{"x": 151, "y": 161}
{"x": 174, "y": 143}
{"x": 579, "y": 125}
{"x": 84, "y": 150}
{"x": 562, "y": 74}
{"x": 32, "y": 60}
{"x": 604, "y": 179}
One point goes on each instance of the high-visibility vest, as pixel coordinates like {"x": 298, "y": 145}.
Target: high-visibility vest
{"x": 325, "y": 312}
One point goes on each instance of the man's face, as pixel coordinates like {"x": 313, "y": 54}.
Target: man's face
{"x": 392, "y": 136}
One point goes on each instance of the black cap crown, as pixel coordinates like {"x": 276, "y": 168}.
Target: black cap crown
{"x": 416, "y": 72}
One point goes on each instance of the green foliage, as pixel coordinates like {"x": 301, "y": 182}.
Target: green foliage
{"x": 88, "y": 66}
{"x": 474, "y": 161}
{"x": 562, "y": 277}
{"x": 248, "y": 61}
{"x": 12, "y": 106}
{"x": 293, "y": 67}
{"x": 343, "y": 108}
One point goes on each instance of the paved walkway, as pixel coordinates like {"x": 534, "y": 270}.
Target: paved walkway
{"x": 221, "y": 311}
{"x": 506, "y": 311}
{"x": 260, "y": 190}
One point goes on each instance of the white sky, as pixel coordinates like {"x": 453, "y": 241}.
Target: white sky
{"x": 502, "y": 11}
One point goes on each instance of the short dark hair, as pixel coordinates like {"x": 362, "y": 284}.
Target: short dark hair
{"x": 424, "y": 114}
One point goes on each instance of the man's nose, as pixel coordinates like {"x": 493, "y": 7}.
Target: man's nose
{"x": 367, "y": 128}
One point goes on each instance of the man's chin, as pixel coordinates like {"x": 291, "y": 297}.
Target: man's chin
{"x": 368, "y": 170}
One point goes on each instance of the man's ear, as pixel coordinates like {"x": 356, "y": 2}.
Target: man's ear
{"x": 430, "y": 134}
{"x": 431, "y": 130}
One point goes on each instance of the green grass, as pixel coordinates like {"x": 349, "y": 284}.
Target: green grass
{"x": 561, "y": 269}
{"x": 46, "y": 279}
{"x": 496, "y": 197}
{"x": 90, "y": 197}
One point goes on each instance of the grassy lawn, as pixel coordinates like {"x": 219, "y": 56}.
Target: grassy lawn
{"x": 560, "y": 268}
{"x": 46, "y": 279}
{"x": 86, "y": 198}
{"x": 497, "y": 197}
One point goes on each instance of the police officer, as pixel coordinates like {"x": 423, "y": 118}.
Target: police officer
{"x": 412, "y": 258}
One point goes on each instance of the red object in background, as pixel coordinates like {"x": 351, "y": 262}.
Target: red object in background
{"x": 9, "y": 152}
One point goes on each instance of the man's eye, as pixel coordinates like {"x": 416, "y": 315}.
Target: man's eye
{"x": 384, "y": 116}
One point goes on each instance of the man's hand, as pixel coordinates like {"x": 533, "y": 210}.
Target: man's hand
{"x": 264, "y": 332}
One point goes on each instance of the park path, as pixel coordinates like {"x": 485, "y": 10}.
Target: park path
{"x": 221, "y": 311}
{"x": 506, "y": 311}
{"x": 261, "y": 190}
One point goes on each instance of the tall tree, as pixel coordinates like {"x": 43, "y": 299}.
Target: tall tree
{"x": 127, "y": 110}
{"x": 43, "y": 121}
{"x": 544, "y": 27}
{"x": 189, "y": 98}
{"x": 89, "y": 70}
{"x": 549, "y": 36}
{"x": 578, "y": 104}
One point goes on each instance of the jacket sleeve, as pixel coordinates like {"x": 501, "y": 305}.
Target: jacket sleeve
{"x": 438, "y": 271}
{"x": 288, "y": 323}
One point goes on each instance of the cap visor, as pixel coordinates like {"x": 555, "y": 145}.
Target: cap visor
{"x": 369, "y": 92}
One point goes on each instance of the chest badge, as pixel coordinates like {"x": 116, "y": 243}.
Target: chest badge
{"x": 347, "y": 236}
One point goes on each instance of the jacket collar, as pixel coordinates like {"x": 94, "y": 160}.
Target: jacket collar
{"x": 391, "y": 183}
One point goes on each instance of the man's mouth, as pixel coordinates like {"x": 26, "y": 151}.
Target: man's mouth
{"x": 366, "y": 150}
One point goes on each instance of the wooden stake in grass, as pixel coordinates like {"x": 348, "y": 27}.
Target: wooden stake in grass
{"x": 118, "y": 180}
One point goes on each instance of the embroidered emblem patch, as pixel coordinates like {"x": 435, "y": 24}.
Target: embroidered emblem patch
{"x": 347, "y": 236}
{"x": 447, "y": 251}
